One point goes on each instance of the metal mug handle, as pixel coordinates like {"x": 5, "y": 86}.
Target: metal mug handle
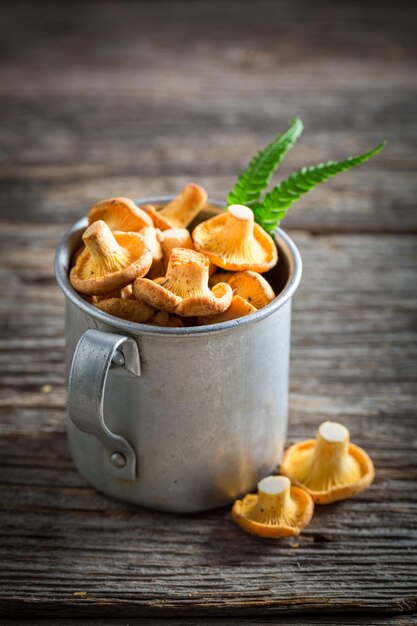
{"x": 95, "y": 354}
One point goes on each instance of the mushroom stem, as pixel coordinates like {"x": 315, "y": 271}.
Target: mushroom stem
{"x": 182, "y": 210}
{"x": 239, "y": 224}
{"x": 104, "y": 248}
{"x": 331, "y": 457}
{"x": 274, "y": 494}
{"x": 332, "y": 442}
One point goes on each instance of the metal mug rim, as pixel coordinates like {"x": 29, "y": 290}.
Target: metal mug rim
{"x": 280, "y": 236}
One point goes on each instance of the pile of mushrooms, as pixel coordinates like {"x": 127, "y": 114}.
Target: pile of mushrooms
{"x": 317, "y": 471}
{"x": 143, "y": 265}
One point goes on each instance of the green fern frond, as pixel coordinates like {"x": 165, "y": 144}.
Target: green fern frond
{"x": 276, "y": 203}
{"x": 259, "y": 171}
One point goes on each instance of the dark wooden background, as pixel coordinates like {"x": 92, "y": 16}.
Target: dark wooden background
{"x": 105, "y": 98}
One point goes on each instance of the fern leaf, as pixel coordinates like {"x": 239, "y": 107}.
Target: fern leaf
{"x": 259, "y": 171}
{"x": 277, "y": 202}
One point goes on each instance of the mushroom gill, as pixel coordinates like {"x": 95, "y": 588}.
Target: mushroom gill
{"x": 277, "y": 510}
{"x": 184, "y": 289}
{"x": 329, "y": 467}
{"x": 233, "y": 241}
{"x": 109, "y": 260}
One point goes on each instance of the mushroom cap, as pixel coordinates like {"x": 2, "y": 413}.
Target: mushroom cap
{"x": 158, "y": 220}
{"x": 329, "y": 468}
{"x": 239, "y": 307}
{"x": 252, "y": 287}
{"x": 184, "y": 289}
{"x": 131, "y": 310}
{"x": 151, "y": 292}
{"x": 233, "y": 241}
{"x": 214, "y": 301}
{"x": 110, "y": 261}
{"x": 119, "y": 214}
{"x": 277, "y": 510}
{"x": 181, "y": 210}
{"x": 125, "y": 293}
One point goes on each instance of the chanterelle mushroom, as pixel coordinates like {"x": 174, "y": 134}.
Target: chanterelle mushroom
{"x": 252, "y": 287}
{"x": 329, "y": 467}
{"x": 181, "y": 211}
{"x": 119, "y": 214}
{"x": 151, "y": 236}
{"x": 125, "y": 294}
{"x": 233, "y": 241}
{"x": 184, "y": 289}
{"x": 277, "y": 510}
{"x": 174, "y": 238}
{"x": 109, "y": 261}
{"x": 238, "y": 308}
{"x": 131, "y": 310}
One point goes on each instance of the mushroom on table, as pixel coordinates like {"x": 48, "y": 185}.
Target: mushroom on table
{"x": 329, "y": 467}
{"x": 277, "y": 510}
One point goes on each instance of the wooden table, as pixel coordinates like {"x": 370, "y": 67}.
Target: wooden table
{"x": 101, "y": 99}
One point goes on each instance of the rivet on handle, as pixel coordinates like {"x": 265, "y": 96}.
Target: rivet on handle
{"x": 118, "y": 459}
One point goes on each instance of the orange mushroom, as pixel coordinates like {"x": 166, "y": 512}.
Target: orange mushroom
{"x": 151, "y": 236}
{"x": 329, "y": 467}
{"x": 174, "y": 238}
{"x": 125, "y": 294}
{"x": 109, "y": 261}
{"x": 252, "y": 287}
{"x": 233, "y": 241}
{"x": 238, "y": 308}
{"x": 184, "y": 289}
{"x": 119, "y": 214}
{"x": 131, "y": 310}
{"x": 277, "y": 510}
{"x": 181, "y": 211}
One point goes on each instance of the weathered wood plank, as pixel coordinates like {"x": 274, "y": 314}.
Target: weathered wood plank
{"x": 203, "y": 563}
{"x": 297, "y": 620}
{"x": 163, "y": 117}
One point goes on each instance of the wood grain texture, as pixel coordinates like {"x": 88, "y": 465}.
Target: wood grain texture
{"x": 289, "y": 620}
{"x": 139, "y": 98}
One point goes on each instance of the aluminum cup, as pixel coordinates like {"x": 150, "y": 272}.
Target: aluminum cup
{"x": 178, "y": 419}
